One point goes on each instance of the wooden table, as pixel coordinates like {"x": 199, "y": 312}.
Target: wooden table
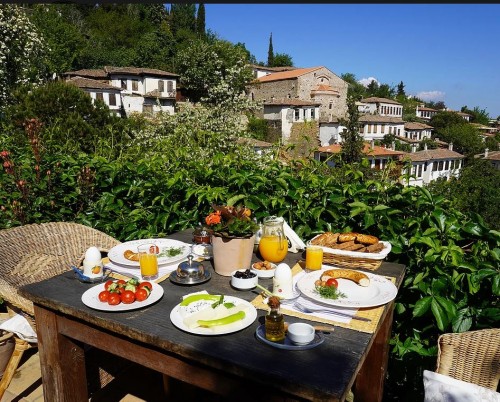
{"x": 237, "y": 366}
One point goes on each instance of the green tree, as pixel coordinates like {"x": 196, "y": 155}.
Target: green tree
{"x": 22, "y": 52}
{"x": 477, "y": 115}
{"x": 372, "y": 88}
{"x": 401, "y": 89}
{"x": 270, "y": 52}
{"x": 445, "y": 119}
{"x": 465, "y": 138}
{"x": 354, "y": 89}
{"x": 282, "y": 60}
{"x": 183, "y": 18}
{"x": 200, "y": 20}
{"x": 352, "y": 142}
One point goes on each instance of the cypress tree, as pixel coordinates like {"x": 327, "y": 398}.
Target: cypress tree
{"x": 270, "y": 52}
{"x": 352, "y": 142}
{"x": 200, "y": 20}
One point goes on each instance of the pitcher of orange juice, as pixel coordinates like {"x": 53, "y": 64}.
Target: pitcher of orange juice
{"x": 273, "y": 245}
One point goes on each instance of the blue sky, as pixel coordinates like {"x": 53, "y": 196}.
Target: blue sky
{"x": 448, "y": 52}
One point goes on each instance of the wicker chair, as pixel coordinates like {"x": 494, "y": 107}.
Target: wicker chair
{"x": 472, "y": 356}
{"x": 32, "y": 253}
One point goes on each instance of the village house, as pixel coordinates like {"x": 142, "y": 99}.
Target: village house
{"x": 492, "y": 156}
{"x": 317, "y": 85}
{"x": 378, "y": 156}
{"x": 425, "y": 113}
{"x": 432, "y": 164}
{"x": 379, "y": 117}
{"x": 142, "y": 90}
{"x": 416, "y": 132}
{"x": 283, "y": 114}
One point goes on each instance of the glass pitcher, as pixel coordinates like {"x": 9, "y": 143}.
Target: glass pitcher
{"x": 273, "y": 245}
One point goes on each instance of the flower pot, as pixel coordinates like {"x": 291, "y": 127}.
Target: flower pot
{"x": 7, "y": 344}
{"x": 231, "y": 254}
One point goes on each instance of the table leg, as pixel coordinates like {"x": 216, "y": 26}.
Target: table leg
{"x": 369, "y": 385}
{"x": 62, "y": 361}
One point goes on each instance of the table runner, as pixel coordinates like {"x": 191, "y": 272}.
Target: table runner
{"x": 373, "y": 313}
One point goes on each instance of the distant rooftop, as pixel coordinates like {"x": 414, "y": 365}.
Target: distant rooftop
{"x": 374, "y": 99}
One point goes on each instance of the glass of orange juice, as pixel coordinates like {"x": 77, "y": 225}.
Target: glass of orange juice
{"x": 148, "y": 261}
{"x": 314, "y": 257}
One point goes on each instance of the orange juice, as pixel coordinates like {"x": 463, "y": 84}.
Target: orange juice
{"x": 314, "y": 257}
{"x": 272, "y": 249}
{"x": 148, "y": 262}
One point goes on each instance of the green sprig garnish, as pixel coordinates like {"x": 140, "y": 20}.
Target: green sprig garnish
{"x": 329, "y": 292}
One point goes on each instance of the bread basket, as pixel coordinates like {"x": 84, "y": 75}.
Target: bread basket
{"x": 354, "y": 259}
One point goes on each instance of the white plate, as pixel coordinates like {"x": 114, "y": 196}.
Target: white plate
{"x": 115, "y": 254}
{"x": 178, "y": 320}
{"x": 91, "y": 299}
{"x": 369, "y": 256}
{"x": 380, "y": 291}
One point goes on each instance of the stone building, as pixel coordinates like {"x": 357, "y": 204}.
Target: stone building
{"x": 315, "y": 84}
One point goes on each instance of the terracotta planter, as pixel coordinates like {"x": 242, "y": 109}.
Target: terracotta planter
{"x": 232, "y": 254}
{"x": 6, "y": 348}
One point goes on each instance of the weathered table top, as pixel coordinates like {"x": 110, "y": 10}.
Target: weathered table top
{"x": 324, "y": 372}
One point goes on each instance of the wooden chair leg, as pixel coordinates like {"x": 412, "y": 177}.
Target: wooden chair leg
{"x": 17, "y": 354}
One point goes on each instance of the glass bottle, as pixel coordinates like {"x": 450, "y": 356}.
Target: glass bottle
{"x": 273, "y": 245}
{"x": 275, "y": 322}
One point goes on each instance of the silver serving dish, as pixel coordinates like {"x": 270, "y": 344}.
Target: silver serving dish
{"x": 190, "y": 273}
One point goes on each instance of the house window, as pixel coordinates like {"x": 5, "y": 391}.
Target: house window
{"x": 434, "y": 166}
{"x": 369, "y": 128}
{"x": 161, "y": 86}
{"x": 441, "y": 164}
{"x": 296, "y": 114}
{"x": 135, "y": 85}
{"x": 112, "y": 99}
{"x": 447, "y": 165}
{"x": 170, "y": 86}
{"x": 123, "y": 84}
{"x": 99, "y": 96}
{"x": 419, "y": 174}
{"x": 312, "y": 114}
{"x": 330, "y": 105}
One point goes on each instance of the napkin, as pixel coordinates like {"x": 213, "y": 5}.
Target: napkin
{"x": 314, "y": 305}
{"x": 296, "y": 244}
{"x": 21, "y": 327}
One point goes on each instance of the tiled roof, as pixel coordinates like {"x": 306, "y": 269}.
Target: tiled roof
{"x": 87, "y": 73}
{"x": 408, "y": 140}
{"x": 367, "y": 150}
{"x": 434, "y": 154}
{"x": 376, "y": 118}
{"x": 81, "y": 82}
{"x": 427, "y": 109}
{"x": 138, "y": 71}
{"x": 492, "y": 155}
{"x": 275, "y": 69}
{"x": 413, "y": 125}
{"x": 286, "y": 75}
{"x": 374, "y": 99}
{"x": 290, "y": 102}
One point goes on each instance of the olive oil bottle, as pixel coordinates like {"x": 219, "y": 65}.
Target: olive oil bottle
{"x": 275, "y": 322}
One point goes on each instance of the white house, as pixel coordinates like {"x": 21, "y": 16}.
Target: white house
{"x": 492, "y": 156}
{"x": 417, "y": 131}
{"x": 375, "y": 127}
{"x": 286, "y": 112}
{"x": 432, "y": 164}
{"x": 143, "y": 90}
{"x": 380, "y": 106}
{"x": 109, "y": 94}
{"x": 426, "y": 113}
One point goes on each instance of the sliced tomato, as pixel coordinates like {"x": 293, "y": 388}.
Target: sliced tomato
{"x": 127, "y": 297}
{"x": 141, "y": 294}
{"x": 146, "y": 285}
{"x": 103, "y": 296}
{"x": 108, "y": 284}
{"x": 332, "y": 282}
{"x": 121, "y": 283}
{"x": 113, "y": 299}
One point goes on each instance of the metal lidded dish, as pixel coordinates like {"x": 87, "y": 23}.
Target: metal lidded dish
{"x": 190, "y": 272}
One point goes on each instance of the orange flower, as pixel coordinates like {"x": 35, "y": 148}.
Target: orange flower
{"x": 213, "y": 219}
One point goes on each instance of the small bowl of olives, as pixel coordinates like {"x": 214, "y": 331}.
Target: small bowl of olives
{"x": 244, "y": 279}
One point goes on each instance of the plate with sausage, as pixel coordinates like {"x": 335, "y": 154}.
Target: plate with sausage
{"x": 168, "y": 251}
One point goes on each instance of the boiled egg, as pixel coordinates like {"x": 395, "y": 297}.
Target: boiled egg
{"x": 93, "y": 255}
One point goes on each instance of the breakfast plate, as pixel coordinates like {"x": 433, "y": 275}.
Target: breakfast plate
{"x": 287, "y": 344}
{"x": 179, "y": 312}
{"x": 91, "y": 299}
{"x": 380, "y": 291}
{"x": 170, "y": 251}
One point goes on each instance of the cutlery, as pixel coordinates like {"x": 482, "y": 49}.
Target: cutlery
{"x": 306, "y": 310}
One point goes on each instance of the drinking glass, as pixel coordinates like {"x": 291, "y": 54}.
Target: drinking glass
{"x": 314, "y": 257}
{"x": 148, "y": 261}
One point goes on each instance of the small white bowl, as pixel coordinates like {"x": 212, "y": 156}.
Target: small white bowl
{"x": 264, "y": 273}
{"x": 244, "y": 283}
{"x": 301, "y": 333}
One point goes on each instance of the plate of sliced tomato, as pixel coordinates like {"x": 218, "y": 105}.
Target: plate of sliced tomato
{"x": 121, "y": 295}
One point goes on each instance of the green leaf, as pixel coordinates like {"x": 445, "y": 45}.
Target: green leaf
{"x": 422, "y": 306}
{"x": 439, "y": 314}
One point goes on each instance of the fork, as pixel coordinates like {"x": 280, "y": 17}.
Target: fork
{"x": 306, "y": 310}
